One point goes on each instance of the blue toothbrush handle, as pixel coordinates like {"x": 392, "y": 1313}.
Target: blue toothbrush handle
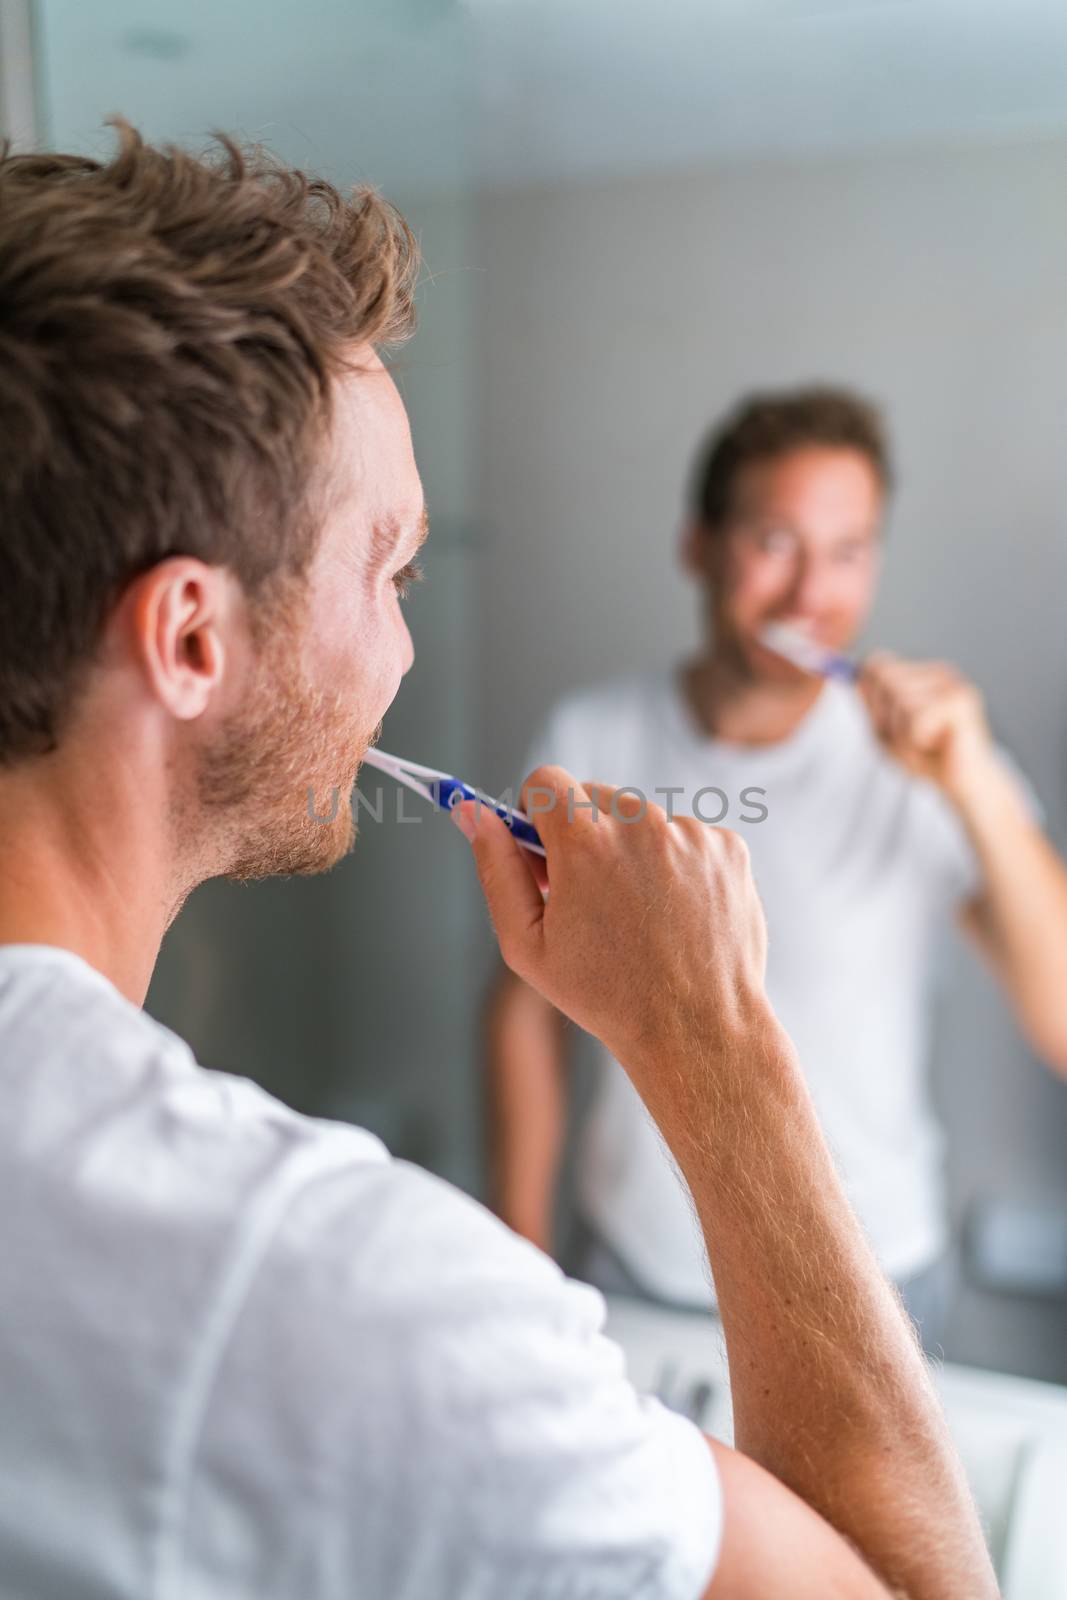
{"x": 448, "y": 792}
{"x": 842, "y": 667}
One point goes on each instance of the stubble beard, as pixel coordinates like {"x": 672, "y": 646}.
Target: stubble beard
{"x": 288, "y": 756}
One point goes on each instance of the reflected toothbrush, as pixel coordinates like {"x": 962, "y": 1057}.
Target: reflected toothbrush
{"x": 793, "y": 645}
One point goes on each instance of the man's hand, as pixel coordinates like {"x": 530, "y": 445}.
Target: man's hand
{"x": 652, "y": 931}
{"x": 930, "y": 719}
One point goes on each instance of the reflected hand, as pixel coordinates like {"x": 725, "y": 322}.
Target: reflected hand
{"x": 930, "y": 718}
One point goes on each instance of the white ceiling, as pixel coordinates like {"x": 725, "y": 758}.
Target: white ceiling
{"x": 601, "y": 85}
{"x": 431, "y": 93}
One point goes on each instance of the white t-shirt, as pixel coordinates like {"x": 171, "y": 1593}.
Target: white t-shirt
{"x": 860, "y": 869}
{"x": 243, "y": 1353}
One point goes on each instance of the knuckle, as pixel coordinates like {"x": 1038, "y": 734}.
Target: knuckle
{"x": 734, "y": 846}
{"x": 548, "y": 779}
{"x": 546, "y": 776}
{"x": 686, "y": 831}
{"x": 548, "y": 771}
{"x": 511, "y": 951}
{"x": 624, "y": 804}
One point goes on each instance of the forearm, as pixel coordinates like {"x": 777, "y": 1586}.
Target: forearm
{"x": 1023, "y": 905}
{"x": 527, "y": 1107}
{"x": 830, "y": 1392}
{"x": 654, "y": 940}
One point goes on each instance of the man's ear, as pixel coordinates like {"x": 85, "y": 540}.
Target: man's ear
{"x": 697, "y": 549}
{"x": 179, "y": 616}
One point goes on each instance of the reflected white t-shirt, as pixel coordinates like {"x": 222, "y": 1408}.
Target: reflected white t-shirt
{"x": 243, "y": 1353}
{"x": 860, "y": 869}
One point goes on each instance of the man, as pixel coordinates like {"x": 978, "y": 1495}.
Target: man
{"x": 244, "y": 1353}
{"x": 875, "y": 815}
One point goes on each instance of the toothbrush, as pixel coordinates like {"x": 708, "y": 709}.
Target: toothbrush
{"x": 445, "y": 792}
{"x": 805, "y": 653}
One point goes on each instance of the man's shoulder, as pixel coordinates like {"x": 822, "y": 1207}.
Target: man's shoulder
{"x": 85, "y": 1068}
{"x": 591, "y": 726}
{"x": 630, "y": 696}
{"x": 366, "y": 1237}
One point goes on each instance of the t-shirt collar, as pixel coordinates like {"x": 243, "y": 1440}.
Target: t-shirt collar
{"x": 685, "y": 729}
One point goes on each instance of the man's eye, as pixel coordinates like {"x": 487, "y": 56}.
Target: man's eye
{"x": 776, "y": 540}
{"x": 408, "y": 575}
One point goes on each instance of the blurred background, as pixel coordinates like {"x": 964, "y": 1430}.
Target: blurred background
{"x": 631, "y": 214}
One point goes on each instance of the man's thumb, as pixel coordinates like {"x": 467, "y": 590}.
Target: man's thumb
{"x": 516, "y": 905}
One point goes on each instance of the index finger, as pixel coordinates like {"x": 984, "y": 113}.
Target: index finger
{"x": 553, "y": 799}
{"x": 877, "y": 664}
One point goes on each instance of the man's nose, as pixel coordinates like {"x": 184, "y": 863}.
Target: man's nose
{"x": 409, "y": 652}
{"x": 808, "y": 585}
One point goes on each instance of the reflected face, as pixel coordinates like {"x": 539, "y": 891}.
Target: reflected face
{"x": 331, "y": 652}
{"x": 802, "y": 545}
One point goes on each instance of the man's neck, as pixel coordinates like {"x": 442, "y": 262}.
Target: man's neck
{"x": 728, "y": 703}
{"x": 84, "y": 864}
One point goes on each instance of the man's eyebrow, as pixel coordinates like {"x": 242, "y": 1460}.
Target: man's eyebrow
{"x": 388, "y": 536}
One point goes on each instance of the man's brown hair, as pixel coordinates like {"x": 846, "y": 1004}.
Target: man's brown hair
{"x": 170, "y": 329}
{"x": 765, "y": 426}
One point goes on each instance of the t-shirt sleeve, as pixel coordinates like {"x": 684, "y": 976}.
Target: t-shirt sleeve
{"x": 453, "y": 1421}
{"x": 946, "y": 848}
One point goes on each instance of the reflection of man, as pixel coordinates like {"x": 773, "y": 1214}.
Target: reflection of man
{"x": 889, "y": 811}
{"x": 243, "y": 1352}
